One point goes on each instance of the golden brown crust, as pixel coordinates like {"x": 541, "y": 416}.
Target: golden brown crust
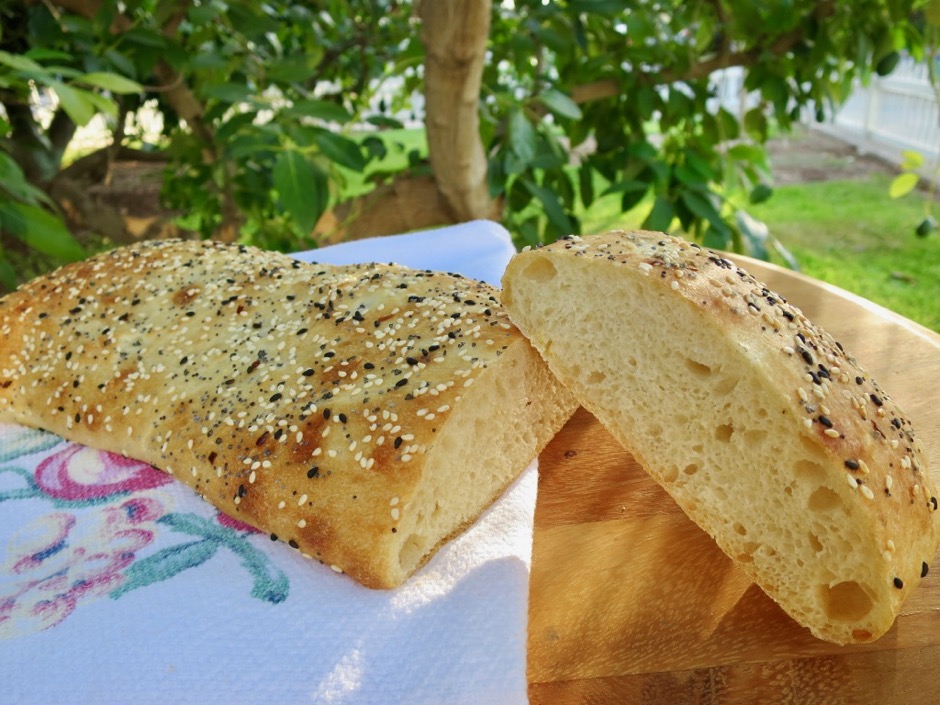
{"x": 302, "y": 399}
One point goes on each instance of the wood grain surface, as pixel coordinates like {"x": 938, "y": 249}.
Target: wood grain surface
{"x": 630, "y": 602}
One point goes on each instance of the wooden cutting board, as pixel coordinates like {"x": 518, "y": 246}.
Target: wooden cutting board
{"x": 630, "y": 602}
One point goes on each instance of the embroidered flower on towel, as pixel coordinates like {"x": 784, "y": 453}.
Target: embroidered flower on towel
{"x": 111, "y": 530}
{"x": 80, "y": 473}
{"x": 59, "y": 562}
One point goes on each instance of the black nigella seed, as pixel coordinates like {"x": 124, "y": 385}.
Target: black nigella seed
{"x": 293, "y": 544}
{"x": 369, "y": 366}
{"x": 851, "y": 464}
{"x": 308, "y": 372}
{"x": 876, "y": 399}
{"x": 807, "y": 358}
{"x": 923, "y": 570}
{"x": 411, "y": 361}
{"x": 301, "y": 331}
{"x": 326, "y": 413}
{"x": 342, "y": 418}
{"x": 398, "y": 442}
{"x": 402, "y": 382}
{"x": 825, "y": 421}
{"x": 313, "y": 472}
{"x": 274, "y": 537}
{"x": 859, "y": 380}
{"x": 241, "y": 491}
{"x": 276, "y": 396}
{"x": 898, "y": 583}
{"x": 261, "y": 439}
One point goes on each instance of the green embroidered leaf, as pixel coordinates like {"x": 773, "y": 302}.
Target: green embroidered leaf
{"x": 270, "y": 583}
{"x": 25, "y": 441}
{"x": 165, "y": 564}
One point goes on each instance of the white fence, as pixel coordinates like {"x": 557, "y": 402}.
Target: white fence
{"x": 891, "y": 114}
{"x": 887, "y": 116}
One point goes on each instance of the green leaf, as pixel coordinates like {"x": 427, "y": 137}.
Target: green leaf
{"x": 111, "y": 82}
{"x": 341, "y": 150}
{"x": 41, "y": 54}
{"x": 75, "y": 102}
{"x": 887, "y": 63}
{"x": 40, "y": 230}
{"x": 903, "y": 184}
{"x": 385, "y": 121}
{"x": 760, "y": 193}
{"x": 14, "y": 182}
{"x": 560, "y": 104}
{"x": 551, "y": 205}
{"x": 702, "y": 207}
{"x": 375, "y": 147}
{"x": 302, "y": 189}
{"x": 755, "y": 122}
{"x": 322, "y": 109}
{"x": 19, "y": 62}
{"x": 912, "y": 160}
{"x": 522, "y": 136}
{"x": 229, "y": 92}
{"x": 586, "y": 185}
{"x": 661, "y": 217}
{"x": 627, "y": 186}
{"x": 290, "y": 69}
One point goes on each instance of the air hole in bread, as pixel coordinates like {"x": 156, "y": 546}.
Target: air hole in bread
{"x": 596, "y": 377}
{"x": 726, "y": 385}
{"x": 691, "y": 469}
{"x": 824, "y": 500}
{"x": 724, "y": 432}
{"x": 697, "y": 367}
{"x": 846, "y": 602}
{"x": 750, "y": 548}
{"x": 540, "y": 270}
{"x": 809, "y": 471}
{"x": 815, "y": 542}
{"x": 740, "y": 529}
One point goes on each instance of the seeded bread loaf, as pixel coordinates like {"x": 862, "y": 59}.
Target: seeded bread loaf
{"x": 363, "y": 414}
{"x": 763, "y": 429}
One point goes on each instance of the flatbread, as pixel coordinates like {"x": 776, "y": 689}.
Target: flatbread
{"x": 362, "y": 414}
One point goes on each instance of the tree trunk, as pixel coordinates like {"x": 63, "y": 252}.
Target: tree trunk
{"x": 455, "y": 33}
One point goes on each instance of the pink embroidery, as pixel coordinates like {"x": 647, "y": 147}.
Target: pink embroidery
{"x": 80, "y": 473}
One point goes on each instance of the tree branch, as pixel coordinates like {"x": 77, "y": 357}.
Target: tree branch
{"x": 725, "y": 58}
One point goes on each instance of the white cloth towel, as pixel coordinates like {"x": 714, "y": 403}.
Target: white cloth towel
{"x": 120, "y": 585}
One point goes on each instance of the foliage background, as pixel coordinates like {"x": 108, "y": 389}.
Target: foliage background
{"x": 282, "y": 121}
